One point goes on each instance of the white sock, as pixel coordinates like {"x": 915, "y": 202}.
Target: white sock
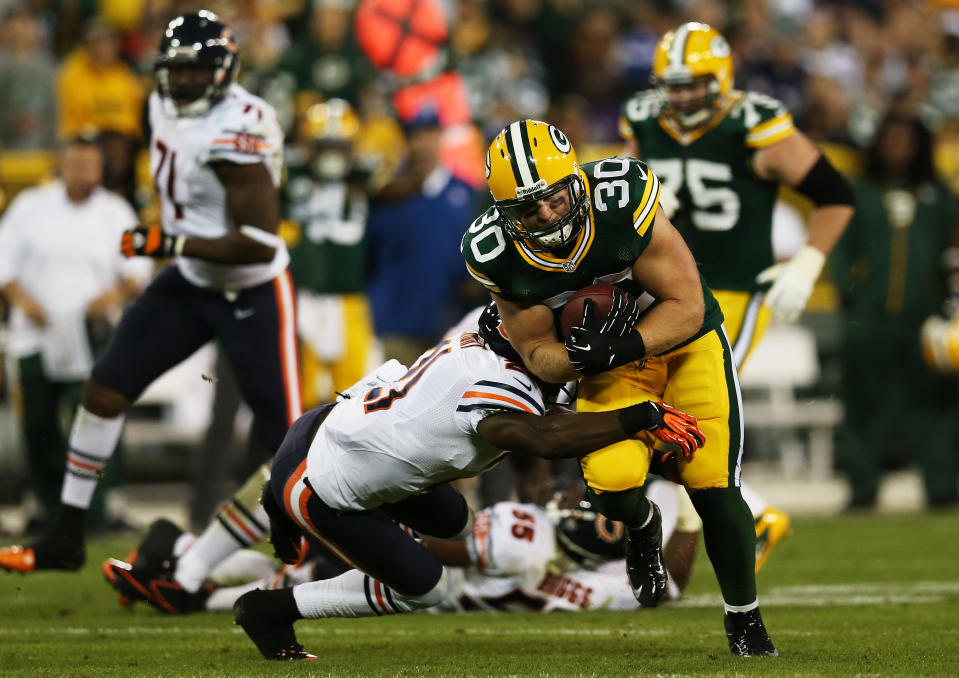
{"x": 355, "y": 594}
{"x": 757, "y": 505}
{"x": 222, "y": 599}
{"x": 182, "y": 543}
{"x": 92, "y": 442}
{"x": 742, "y": 608}
{"x": 205, "y": 553}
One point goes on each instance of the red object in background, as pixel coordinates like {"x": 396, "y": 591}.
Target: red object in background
{"x": 463, "y": 148}
{"x": 446, "y": 93}
{"x": 404, "y": 36}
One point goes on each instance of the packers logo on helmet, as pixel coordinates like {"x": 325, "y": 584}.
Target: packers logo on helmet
{"x": 693, "y": 53}
{"x": 530, "y": 161}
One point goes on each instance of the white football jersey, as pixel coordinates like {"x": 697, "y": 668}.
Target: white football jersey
{"x": 404, "y": 431}
{"x": 241, "y": 129}
{"x": 518, "y": 567}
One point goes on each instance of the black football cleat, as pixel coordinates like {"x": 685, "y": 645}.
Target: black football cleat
{"x": 269, "y": 626}
{"x": 644, "y": 560}
{"x": 54, "y": 551}
{"x": 747, "y": 635}
{"x": 160, "y": 590}
{"x": 154, "y": 554}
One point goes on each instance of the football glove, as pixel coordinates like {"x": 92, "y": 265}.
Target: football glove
{"x": 940, "y": 343}
{"x": 600, "y": 344}
{"x": 150, "y": 241}
{"x": 676, "y": 428}
{"x": 792, "y": 283}
{"x": 285, "y": 536}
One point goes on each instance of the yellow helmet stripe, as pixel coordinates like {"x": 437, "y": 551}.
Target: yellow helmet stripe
{"x": 521, "y": 155}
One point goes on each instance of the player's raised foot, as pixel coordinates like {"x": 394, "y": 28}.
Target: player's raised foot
{"x": 53, "y": 551}
{"x": 771, "y": 528}
{"x": 264, "y": 617}
{"x": 644, "y": 560}
{"x": 161, "y": 591}
{"x": 747, "y": 635}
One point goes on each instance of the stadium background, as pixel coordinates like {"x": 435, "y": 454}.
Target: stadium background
{"x": 838, "y": 66}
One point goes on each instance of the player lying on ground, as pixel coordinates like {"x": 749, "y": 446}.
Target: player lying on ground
{"x": 564, "y": 556}
{"x": 346, "y": 473}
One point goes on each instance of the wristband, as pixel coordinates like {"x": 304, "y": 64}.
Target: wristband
{"x": 636, "y": 418}
{"x": 629, "y": 348}
{"x": 178, "y": 243}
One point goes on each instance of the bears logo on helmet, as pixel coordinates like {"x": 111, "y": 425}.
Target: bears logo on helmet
{"x": 692, "y": 53}
{"x": 195, "y": 63}
{"x": 586, "y": 536}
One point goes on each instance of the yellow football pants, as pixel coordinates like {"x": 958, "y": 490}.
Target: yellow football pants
{"x": 322, "y": 378}
{"x": 746, "y": 320}
{"x": 699, "y": 379}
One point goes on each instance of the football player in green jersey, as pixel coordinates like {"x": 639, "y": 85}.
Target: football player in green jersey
{"x": 326, "y": 208}
{"x": 724, "y": 153}
{"x": 557, "y": 226}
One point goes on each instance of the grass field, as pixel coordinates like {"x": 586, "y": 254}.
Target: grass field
{"x": 845, "y": 596}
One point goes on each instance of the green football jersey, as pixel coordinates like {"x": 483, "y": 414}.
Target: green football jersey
{"x": 624, "y": 196}
{"x": 328, "y": 253}
{"x": 725, "y": 210}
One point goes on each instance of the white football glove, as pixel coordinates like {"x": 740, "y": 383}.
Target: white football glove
{"x": 792, "y": 283}
{"x": 940, "y": 343}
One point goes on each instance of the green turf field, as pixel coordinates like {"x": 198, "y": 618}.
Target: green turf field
{"x": 862, "y": 595}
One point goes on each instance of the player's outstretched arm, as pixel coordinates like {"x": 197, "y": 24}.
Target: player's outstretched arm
{"x": 796, "y": 162}
{"x": 565, "y": 434}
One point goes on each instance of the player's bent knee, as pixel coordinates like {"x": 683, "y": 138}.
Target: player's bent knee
{"x": 103, "y": 401}
{"x": 409, "y": 603}
{"x": 465, "y": 531}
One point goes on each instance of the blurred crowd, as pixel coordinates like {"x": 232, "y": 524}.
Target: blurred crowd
{"x": 85, "y": 67}
{"x": 72, "y": 65}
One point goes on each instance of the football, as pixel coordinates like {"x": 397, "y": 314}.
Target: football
{"x": 572, "y": 314}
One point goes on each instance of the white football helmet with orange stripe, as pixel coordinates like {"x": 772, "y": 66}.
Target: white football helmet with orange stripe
{"x": 690, "y": 55}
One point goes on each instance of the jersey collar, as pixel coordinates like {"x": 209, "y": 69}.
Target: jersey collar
{"x": 548, "y": 262}
{"x": 686, "y": 137}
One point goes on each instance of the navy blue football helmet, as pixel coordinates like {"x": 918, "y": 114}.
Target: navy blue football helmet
{"x": 204, "y": 51}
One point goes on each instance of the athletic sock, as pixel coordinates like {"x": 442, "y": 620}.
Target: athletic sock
{"x": 241, "y": 522}
{"x": 355, "y": 594}
{"x": 92, "y": 442}
{"x": 729, "y": 533}
{"x": 630, "y": 507}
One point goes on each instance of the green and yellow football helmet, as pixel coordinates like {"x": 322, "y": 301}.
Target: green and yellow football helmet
{"x": 694, "y": 51}
{"x": 332, "y": 126}
{"x": 531, "y": 161}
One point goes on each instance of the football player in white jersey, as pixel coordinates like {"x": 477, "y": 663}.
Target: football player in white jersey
{"x": 216, "y": 159}
{"x": 347, "y": 473}
{"x": 522, "y": 557}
